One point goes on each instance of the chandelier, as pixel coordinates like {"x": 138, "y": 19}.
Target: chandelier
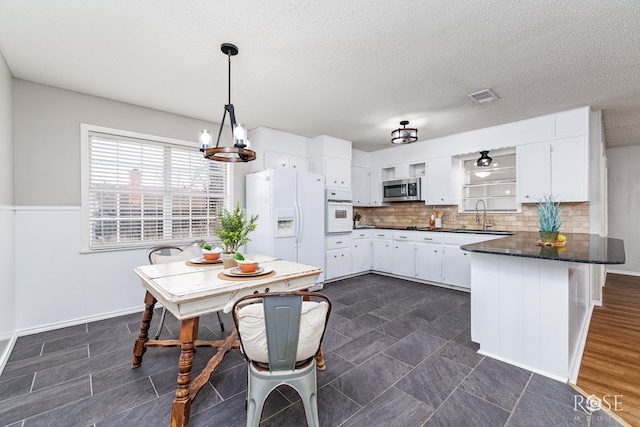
{"x": 404, "y": 135}
{"x": 241, "y": 150}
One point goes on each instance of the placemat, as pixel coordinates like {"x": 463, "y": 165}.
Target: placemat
{"x": 223, "y": 276}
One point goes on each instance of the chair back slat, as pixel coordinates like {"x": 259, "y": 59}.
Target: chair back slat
{"x": 282, "y": 322}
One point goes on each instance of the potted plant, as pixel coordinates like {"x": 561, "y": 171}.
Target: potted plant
{"x": 234, "y": 230}
{"x": 356, "y": 219}
{"x": 549, "y": 216}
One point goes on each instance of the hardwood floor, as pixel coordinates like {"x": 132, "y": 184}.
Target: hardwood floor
{"x": 611, "y": 360}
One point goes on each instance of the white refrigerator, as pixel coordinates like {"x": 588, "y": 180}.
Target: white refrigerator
{"x": 291, "y": 209}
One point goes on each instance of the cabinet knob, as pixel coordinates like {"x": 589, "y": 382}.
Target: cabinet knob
{"x": 435, "y": 250}
{"x": 465, "y": 254}
{"x": 526, "y": 197}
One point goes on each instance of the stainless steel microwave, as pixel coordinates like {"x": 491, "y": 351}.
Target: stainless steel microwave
{"x": 402, "y": 190}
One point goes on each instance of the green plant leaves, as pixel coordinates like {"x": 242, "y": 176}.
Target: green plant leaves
{"x": 234, "y": 228}
{"x": 549, "y": 213}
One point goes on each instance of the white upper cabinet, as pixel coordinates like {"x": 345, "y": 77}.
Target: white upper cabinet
{"x": 328, "y": 146}
{"x": 360, "y": 185}
{"x": 570, "y": 169}
{"x": 559, "y": 167}
{"x": 533, "y": 171}
{"x": 276, "y": 160}
{"x": 441, "y": 179}
{"x": 278, "y": 150}
{"x": 332, "y": 157}
{"x": 337, "y": 172}
{"x": 375, "y": 187}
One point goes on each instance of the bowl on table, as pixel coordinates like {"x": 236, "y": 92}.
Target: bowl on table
{"x": 211, "y": 254}
{"x": 248, "y": 265}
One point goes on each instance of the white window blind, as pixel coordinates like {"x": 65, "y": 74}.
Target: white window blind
{"x": 143, "y": 192}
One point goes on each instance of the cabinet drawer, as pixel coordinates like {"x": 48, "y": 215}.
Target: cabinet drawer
{"x": 361, "y": 234}
{"x": 427, "y": 237}
{"x": 408, "y": 236}
{"x": 338, "y": 241}
{"x": 381, "y": 234}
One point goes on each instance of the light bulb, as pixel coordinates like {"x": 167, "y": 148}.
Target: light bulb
{"x": 205, "y": 139}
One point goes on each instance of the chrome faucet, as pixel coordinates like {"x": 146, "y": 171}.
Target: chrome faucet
{"x": 484, "y": 214}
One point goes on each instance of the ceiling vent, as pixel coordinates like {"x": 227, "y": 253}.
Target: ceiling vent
{"x": 483, "y": 96}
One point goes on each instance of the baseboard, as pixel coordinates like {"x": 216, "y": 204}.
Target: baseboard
{"x": 79, "y": 321}
{"x": 574, "y": 365}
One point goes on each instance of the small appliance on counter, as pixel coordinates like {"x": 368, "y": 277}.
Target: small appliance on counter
{"x": 402, "y": 190}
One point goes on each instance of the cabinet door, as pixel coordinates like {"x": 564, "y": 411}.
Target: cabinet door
{"x": 533, "y": 171}
{"x": 360, "y": 186}
{"x": 457, "y": 266}
{"x": 338, "y": 263}
{"x": 375, "y": 187}
{"x": 360, "y": 255}
{"x": 382, "y": 255}
{"x": 337, "y": 172}
{"x": 569, "y": 176}
{"x": 429, "y": 261}
{"x": 404, "y": 258}
{"x": 440, "y": 179}
{"x": 299, "y": 163}
{"x": 275, "y": 160}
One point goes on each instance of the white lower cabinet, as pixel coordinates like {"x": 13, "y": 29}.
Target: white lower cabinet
{"x": 382, "y": 251}
{"x": 457, "y": 266}
{"x": 429, "y": 261}
{"x": 404, "y": 254}
{"x": 360, "y": 251}
{"x": 338, "y": 256}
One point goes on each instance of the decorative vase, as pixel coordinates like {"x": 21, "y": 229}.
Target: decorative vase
{"x": 549, "y": 236}
{"x": 228, "y": 261}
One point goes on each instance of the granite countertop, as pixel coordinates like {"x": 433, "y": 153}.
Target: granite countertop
{"x": 581, "y": 248}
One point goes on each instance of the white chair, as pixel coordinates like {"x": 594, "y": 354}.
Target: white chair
{"x": 167, "y": 253}
{"x": 280, "y": 335}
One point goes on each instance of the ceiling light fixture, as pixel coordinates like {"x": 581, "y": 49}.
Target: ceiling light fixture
{"x": 404, "y": 135}
{"x": 484, "y": 159}
{"x": 241, "y": 150}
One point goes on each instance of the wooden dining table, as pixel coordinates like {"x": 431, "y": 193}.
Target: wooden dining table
{"x": 189, "y": 290}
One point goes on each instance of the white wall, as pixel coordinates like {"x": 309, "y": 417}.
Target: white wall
{"x": 624, "y": 204}
{"x": 58, "y": 286}
{"x": 7, "y": 282}
{"x": 65, "y": 287}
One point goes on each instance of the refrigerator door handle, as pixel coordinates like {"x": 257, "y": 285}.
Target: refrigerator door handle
{"x": 300, "y": 221}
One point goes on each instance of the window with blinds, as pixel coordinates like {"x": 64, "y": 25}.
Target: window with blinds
{"x": 144, "y": 191}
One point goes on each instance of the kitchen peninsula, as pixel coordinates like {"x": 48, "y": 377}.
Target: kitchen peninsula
{"x": 531, "y": 305}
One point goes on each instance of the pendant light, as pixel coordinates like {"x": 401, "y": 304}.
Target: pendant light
{"x": 484, "y": 159}
{"x": 404, "y": 135}
{"x": 241, "y": 150}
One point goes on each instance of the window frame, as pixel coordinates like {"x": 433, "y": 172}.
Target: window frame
{"x": 494, "y": 154}
{"x": 85, "y": 131}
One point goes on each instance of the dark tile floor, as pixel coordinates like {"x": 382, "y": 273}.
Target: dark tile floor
{"x": 398, "y": 354}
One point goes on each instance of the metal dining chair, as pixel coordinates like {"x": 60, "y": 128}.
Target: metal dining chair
{"x": 167, "y": 253}
{"x": 280, "y": 336}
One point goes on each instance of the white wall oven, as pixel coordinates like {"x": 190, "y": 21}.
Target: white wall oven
{"x": 339, "y": 211}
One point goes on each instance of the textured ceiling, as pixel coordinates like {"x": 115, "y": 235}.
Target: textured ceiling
{"x": 351, "y": 69}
